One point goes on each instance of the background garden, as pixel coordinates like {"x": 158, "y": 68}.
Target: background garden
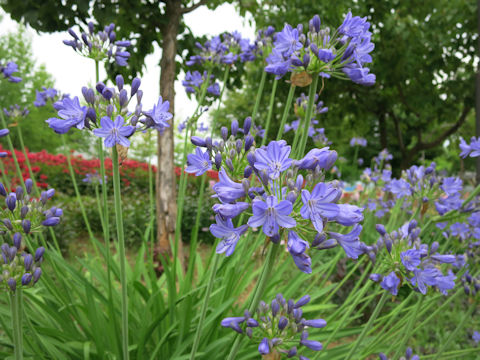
{"x": 397, "y": 111}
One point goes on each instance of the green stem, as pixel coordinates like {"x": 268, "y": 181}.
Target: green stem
{"x": 408, "y": 329}
{"x": 259, "y": 96}
{"x": 77, "y": 193}
{"x": 14, "y": 155}
{"x": 452, "y": 335}
{"x": 291, "y": 92}
{"x": 308, "y": 116}
{"x": 270, "y": 111}
{"x": 17, "y": 329}
{"x": 258, "y": 293}
{"x": 121, "y": 250}
{"x": 369, "y": 325}
{"x": 203, "y": 311}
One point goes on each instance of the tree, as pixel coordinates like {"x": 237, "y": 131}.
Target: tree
{"x": 147, "y": 22}
{"x": 424, "y": 60}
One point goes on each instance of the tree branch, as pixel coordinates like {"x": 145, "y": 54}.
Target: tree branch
{"x": 186, "y": 10}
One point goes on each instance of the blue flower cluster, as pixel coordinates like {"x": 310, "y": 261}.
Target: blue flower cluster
{"x": 27, "y": 214}
{"x": 94, "y": 178}
{"x": 7, "y": 70}
{"x": 42, "y": 97}
{"x": 342, "y": 54}
{"x": 409, "y": 259}
{"x": 193, "y": 83}
{"x": 15, "y": 112}
{"x": 19, "y": 268}
{"x": 282, "y": 196}
{"x": 109, "y": 104}
{"x": 279, "y": 328}
{"x": 226, "y": 49}
{"x": 358, "y": 141}
{"x": 102, "y": 45}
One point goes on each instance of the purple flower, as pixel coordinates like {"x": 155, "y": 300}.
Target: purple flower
{"x": 114, "y": 132}
{"x": 199, "y": 162}
{"x": 349, "y": 215}
{"x": 400, "y": 187}
{"x": 230, "y": 211}
{"x": 476, "y": 337}
{"x": 233, "y": 323}
{"x": 160, "y": 114}
{"x": 323, "y": 158}
{"x": 445, "y": 282}
{"x": 263, "y": 347}
{"x": 71, "y": 113}
{"x": 297, "y": 247}
{"x": 271, "y": 214}
{"x": 319, "y": 204}
{"x": 226, "y": 189}
{"x": 447, "y": 204}
{"x": 358, "y": 141}
{"x": 390, "y": 283}
{"x": 287, "y": 41}
{"x": 8, "y": 69}
{"x": 353, "y": 26}
{"x": 451, "y": 185}
{"x": 473, "y": 149}
{"x": 424, "y": 277}
{"x": 224, "y": 230}
{"x": 410, "y": 259}
{"x": 274, "y": 159}
{"x": 350, "y": 242}
{"x": 277, "y": 64}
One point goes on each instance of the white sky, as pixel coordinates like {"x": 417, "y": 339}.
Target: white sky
{"x": 72, "y": 71}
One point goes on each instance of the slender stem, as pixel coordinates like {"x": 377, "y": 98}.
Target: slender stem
{"x": 308, "y": 116}
{"x": 409, "y": 327}
{"x": 270, "y": 111}
{"x": 14, "y": 155}
{"x": 452, "y": 335}
{"x": 121, "y": 250}
{"x": 77, "y": 193}
{"x": 258, "y": 293}
{"x": 369, "y": 325}
{"x": 17, "y": 330}
{"x": 203, "y": 311}
{"x": 291, "y": 92}
{"x": 259, "y": 96}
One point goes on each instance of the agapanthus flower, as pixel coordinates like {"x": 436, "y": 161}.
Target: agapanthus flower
{"x": 198, "y": 163}
{"x": 194, "y": 80}
{"x": 100, "y": 46}
{"x": 94, "y": 178}
{"x": 408, "y": 355}
{"x": 43, "y": 96}
{"x": 288, "y": 329}
{"x": 451, "y": 185}
{"x": 472, "y": 150}
{"x": 400, "y": 188}
{"x": 7, "y": 70}
{"x": 114, "y": 132}
{"x": 160, "y": 115}
{"x": 274, "y": 159}
{"x": 319, "y": 204}
{"x": 358, "y": 141}
{"x": 224, "y": 229}
{"x": 72, "y": 115}
{"x": 271, "y": 214}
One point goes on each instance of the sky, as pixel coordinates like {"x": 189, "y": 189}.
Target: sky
{"x": 72, "y": 71}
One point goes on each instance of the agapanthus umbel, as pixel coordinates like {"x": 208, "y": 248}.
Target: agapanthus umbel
{"x": 94, "y": 178}
{"x": 15, "y": 112}
{"x": 266, "y": 183}
{"x": 25, "y": 214}
{"x": 358, "y": 141}
{"x": 225, "y": 49}
{"x": 342, "y": 54}
{"x": 410, "y": 262}
{"x": 194, "y": 80}
{"x": 8, "y": 69}
{"x": 20, "y": 269}
{"x": 101, "y": 45}
{"x": 279, "y": 328}
{"x": 42, "y": 97}
{"x": 108, "y": 115}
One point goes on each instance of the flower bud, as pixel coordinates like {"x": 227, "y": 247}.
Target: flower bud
{"x": 247, "y": 124}
{"x": 251, "y": 158}
{"x": 36, "y": 274}
{"x": 218, "y": 160}
{"x": 119, "y": 81}
{"x": 51, "y": 221}
{"x": 28, "y": 262}
{"x": 135, "y": 86}
{"x": 8, "y": 224}
{"x": 11, "y": 201}
{"x": 3, "y": 191}
{"x": 275, "y": 307}
{"x": 29, "y": 185}
{"x": 234, "y": 127}
{"x": 376, "y": 277}
{"x": 198, "y": 141}
{"x": 123, "y": 98}
{"x": 39, "y": 253}
{"x": 17, "y": 240}
{"x": 248, "y": 142}
{"x": 26, "y": 226}
{"x": 224, "y": 133}
{"x": 12, "y": 284}
{"x": 229, "y": 164}
{"x": 239, "y": 146}
{"x": 26, "y": 278}
{"x": 282, "y": 322}
{"x": 208, "y": 143}
{"x": 247, "y": 172}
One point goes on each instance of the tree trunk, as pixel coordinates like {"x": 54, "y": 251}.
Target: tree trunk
{"x": 166, "y": 178}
